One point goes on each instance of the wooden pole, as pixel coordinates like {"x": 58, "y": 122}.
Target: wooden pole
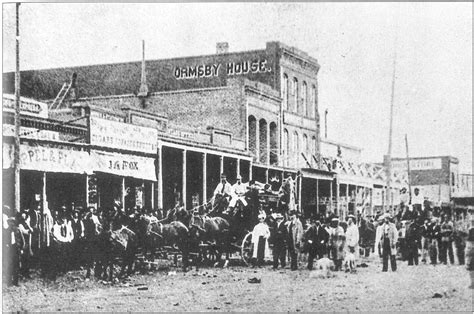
{"x": 408, "y": 169}
{"x": 389, "y": 154}
{"x": 16, "y": 156}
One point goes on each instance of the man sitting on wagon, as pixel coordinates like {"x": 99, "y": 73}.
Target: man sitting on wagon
{"x": 222, "y": 193}
{"x": 238, "y": 194}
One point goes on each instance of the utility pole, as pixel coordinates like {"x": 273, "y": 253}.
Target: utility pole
{"x": 388, "y": 159}
{"x": 408, "y": 168}
{"x": 326, "y": 124}
{"x": 16, "y": 155}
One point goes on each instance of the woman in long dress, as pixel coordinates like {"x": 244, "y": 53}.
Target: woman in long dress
{"x": 260, "y": 235}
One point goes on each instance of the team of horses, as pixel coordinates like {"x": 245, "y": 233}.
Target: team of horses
{"x": 184, "y": 230}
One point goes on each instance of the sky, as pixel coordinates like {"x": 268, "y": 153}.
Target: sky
{"x": 355, "y": 44}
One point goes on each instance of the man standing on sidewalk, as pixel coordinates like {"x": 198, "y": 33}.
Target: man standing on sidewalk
{"x": 388, "y": 239}
{"x": 295, "y": 236}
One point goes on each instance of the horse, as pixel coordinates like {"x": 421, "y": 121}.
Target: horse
{"x": 155, "y": 234}
{"x": 122, "y": 243}
{"x": 214, "y": 230}
{"x": 366, "y": 236}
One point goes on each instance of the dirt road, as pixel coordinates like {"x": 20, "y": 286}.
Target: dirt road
{"x": 409, "y": 289}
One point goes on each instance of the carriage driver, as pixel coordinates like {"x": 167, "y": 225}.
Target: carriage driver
{"x": 223, "y": 188}
{"x": 238, "y": 193}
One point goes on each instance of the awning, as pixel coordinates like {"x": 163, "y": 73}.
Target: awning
{"x": 124, "y": 165}
{"x": 48, "y": 159}
{"x": 317, "y": 174}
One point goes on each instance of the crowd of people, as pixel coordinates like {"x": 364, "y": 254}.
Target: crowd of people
{"x": 35, "y": 237}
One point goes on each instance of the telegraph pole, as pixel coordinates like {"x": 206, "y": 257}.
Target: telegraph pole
{"x": 408, "y": 168}
{"x": 326, "y": 124}
{"x": 388, "y": 159}
{"x": 16, "y": 156}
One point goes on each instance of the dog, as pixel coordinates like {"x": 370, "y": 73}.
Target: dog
{"x": 323, "y": 268}
{"x": 349, "y": 263}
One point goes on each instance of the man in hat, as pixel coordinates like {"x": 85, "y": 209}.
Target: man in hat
{"x": 337, "y": 240}
{"x": 446, "y": 243}
{"x": 14, "y": 244}
{"x": 279, "y": 239}
{"x": 238, "y": 194}
{"x": 222, "y": 192}
{"x": 260, "y": 235}
{"x": 352, "y": 236}
{"x": 63, "y": 236}
{"x": 316, "y": 238}
{"x": 77, "y": 226}
{"x": 387, "y": 236}
{"x": 295, "y": 237}
{"x": 434, "y": 237}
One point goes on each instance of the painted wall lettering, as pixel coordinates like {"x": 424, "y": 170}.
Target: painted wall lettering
{"x": 230, "y": 68}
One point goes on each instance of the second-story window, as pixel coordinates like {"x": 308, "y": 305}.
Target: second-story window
{"x": 284, "y": 94}
{"x": 305, "y": 145}
{"x": 304, "y": 102}
{"x": 295, "y": 94}
{"x": 314, "y": 101}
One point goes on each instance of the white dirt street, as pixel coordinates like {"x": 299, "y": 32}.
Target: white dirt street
{"x": 215, "y": 289}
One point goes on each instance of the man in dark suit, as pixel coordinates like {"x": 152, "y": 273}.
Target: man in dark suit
{"x": 280, "y": 235}
{"x": 15, "y": 243}
{"x": 316, "y": 238}
{"x": 295, "y": 238}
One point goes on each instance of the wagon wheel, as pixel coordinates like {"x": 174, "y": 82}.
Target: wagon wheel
{"x": 246, "y": 249}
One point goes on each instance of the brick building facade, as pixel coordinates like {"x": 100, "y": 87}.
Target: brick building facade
{"x": 253, "y": 113}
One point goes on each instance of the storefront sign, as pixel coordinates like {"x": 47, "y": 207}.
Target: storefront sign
{"x": 212, "y": 70}
{"x": 418, "y": 164}
{"x": 9, "y": 130}
{"x": 124, "y": 165}
{"x": 48, "y": 159}
{"x": 123, "y": 135}
{"x": 27, "y": 106}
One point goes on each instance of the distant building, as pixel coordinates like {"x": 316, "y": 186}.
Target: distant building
{"x": 437, "y": 177}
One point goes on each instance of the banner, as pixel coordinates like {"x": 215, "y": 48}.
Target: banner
{"x": 120, "y": 135}
{"x": 124, "y": 165}
{"x": 48, "y": 159}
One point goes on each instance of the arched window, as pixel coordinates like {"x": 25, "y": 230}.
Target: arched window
{"x": 311, "y": 102}
{"x": 314, "y": 100}
{"x": 305, "y": 145}
{"x": 295, "y": 94}
{"x": 285, "y": 147}
{"x": 304, "y": 95}
{"x": 273, "y": 144}
{"x": 252, "y": 140}
{"x": 296, "y": 149}
{"x": 263, "y": 141}
{"x": 284, "y": 91}
{"x": 314, "y": 146}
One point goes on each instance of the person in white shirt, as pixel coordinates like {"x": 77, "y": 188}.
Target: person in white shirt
{"x": 238, "y": 194}
{"x": 222, "y": 192}
{"x": 417, "y": 201}
{"x": 352, "y": 236}
{"x": 260, "y": 235}
{"x": 63, "y": 236}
